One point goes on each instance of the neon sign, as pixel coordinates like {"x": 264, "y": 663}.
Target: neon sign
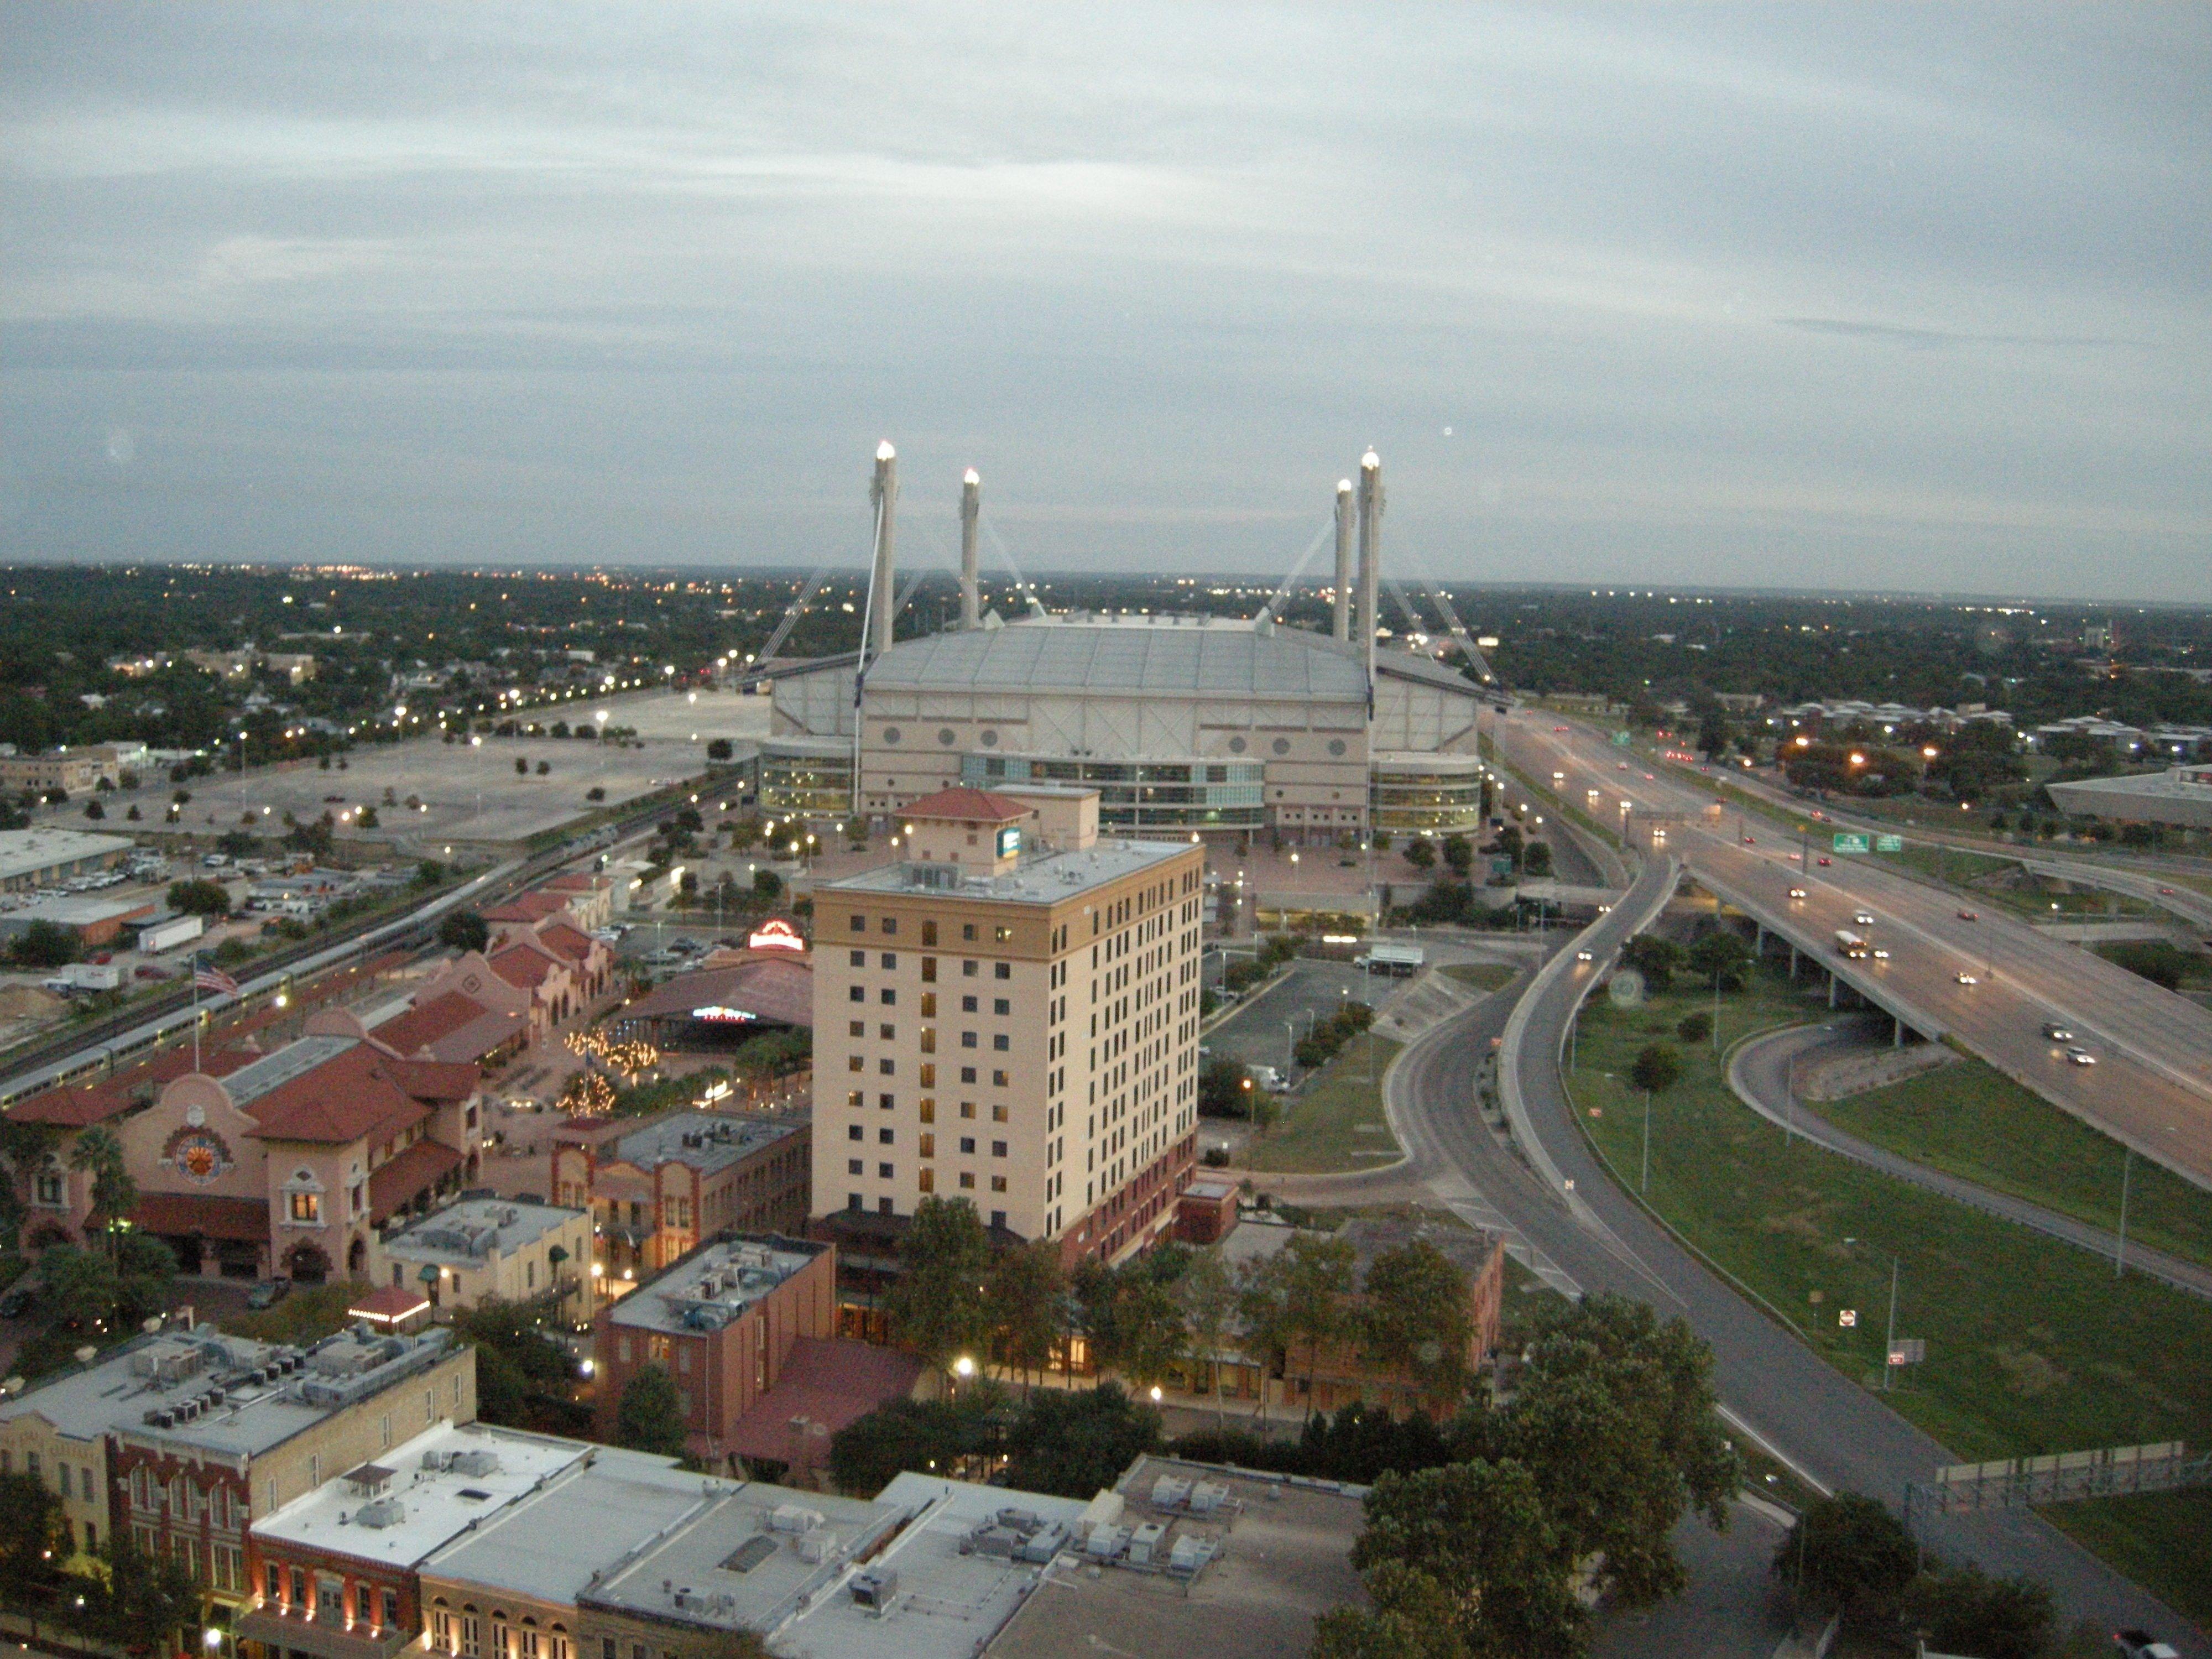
{"x": 775, "y": 934}
{"x": 715, "y": 1013}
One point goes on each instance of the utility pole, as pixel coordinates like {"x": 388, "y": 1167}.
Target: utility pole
{"x": 1643, "y": 1179}
{"x": 2127, "y": 1169}
{"x": 1889, "y": 1341}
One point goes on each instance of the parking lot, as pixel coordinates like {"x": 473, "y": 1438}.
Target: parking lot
{"x": 1263, "y": 1031}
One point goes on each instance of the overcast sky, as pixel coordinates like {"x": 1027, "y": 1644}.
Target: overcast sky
{"x": 1912, "y": 298}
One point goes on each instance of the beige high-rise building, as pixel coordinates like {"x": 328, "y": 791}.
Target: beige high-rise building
{"x": 1009, "y": 1015}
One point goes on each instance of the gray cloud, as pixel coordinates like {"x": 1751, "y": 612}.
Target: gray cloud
{"x": 1857, "y": 296}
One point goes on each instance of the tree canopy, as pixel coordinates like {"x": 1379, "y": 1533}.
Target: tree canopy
{"x": 937, "y": 1303}
{"x": 1850, "y": 1551}
{"x": 1076, "y": 1443}
{"x": 463, "y": 930}
{"x": 649, "y": 1418}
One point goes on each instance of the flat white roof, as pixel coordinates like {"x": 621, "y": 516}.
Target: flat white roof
{"x": 1048, "y": 879}
{"x": 26, "y": 851}
{"x": 474, "y": 1230}
{"x": 420, "y": 1494}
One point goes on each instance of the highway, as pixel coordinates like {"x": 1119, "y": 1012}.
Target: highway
{"x": 2151, "y": 1087}
{"x": 1774, "y": 1390}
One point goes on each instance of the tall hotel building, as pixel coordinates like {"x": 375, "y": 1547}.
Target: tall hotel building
{"x": 1009, "y": 1014}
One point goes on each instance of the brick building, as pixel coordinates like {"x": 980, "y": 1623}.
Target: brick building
{"x": 656, "y": 1186}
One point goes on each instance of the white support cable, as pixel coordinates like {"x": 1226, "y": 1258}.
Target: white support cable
{"x": 1327, "y": 529}
{"x": 1020, "y": 582}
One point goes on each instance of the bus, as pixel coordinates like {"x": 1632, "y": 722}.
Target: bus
{"x": 1851, "y": 943}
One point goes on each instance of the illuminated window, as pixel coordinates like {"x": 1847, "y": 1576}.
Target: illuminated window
{"x": 306, "y": 1206}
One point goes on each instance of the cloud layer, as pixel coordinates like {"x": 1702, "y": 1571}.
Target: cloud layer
{"x": 1849, "y": 297}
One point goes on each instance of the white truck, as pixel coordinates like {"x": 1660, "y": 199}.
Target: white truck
{"x": 85, "y": 977}
{"x": 1382, "y": 958}
{"x": 168, "y": 935}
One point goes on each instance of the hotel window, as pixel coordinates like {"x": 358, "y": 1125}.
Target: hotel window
{"x": 967, "y": 1108}
{"x": 929, "y": 932}
{"x": 968, "y": 1144}
{"x": 887, "y": 1066}
{"x": 998, "y": 1080}
{"x": 392, "y": 1610}
{"x": 967, "y": 1073}
{"x": 855, "y": 1166}
{"x": 858, "y": 1028}
{"x": 929, "y": 1004}
{"x": 999, "y": 1114}
{"x": 929, "y": 970}
{"x": 856, "y": 1063}
{"x": 969, "y": 969}
{"x": 968, "y": 1005}
{"x": 929, "y": 1039}
{"x": 1001, "y": 1006}
{"x": 1000, "y": 1043}
{"x": 998, "y": 1183}
{"x": 857, "y": 959}
{"x": 886, "y": 1172}
{"x": 854, "y": 1132}
{"x": 887, "y": 1033}
{"x": 967, "y": 1039}
{"x": 884, "y": 1101}
{"x": 859, "y": 924}
{"x": 929, "y": 1078}
{"x": 966, "y": 1179}
{"x": 853, "y": 1097}
{"x": 929, "y": 1111}
{"x": 928, "y": 1181}
{"x": 998, "y": 1149}
{"x": 886, "y": 1137}
{"x": 889, "y": 997}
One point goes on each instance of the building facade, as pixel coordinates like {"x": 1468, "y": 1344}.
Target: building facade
{"x": 654, "y": 1188}
{"x": 1020, "y": 1031}
{"x": 485, "y": 1249}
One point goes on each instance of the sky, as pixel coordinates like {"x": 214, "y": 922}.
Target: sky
{"x": 1860, "y": 297}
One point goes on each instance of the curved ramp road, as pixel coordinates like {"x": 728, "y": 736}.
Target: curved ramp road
{"x": 1773, "y": 1387}
{"x": 2152, "y": 1088}
{"x": 1759, "y": 1073}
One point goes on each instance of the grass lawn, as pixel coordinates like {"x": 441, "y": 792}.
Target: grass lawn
{"x": 1949, "y": 864}
{"x": 1483, "y": 976}
{"x": 1970, "y": 1121}
{"x": 1321, "y": 1129}
{"x": 2032, "y": 1346}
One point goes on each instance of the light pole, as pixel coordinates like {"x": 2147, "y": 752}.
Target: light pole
{"x": 1290, "y": 1046}
{"x": 2127, "y": 1169}
{"x": 1644, "y": 1178}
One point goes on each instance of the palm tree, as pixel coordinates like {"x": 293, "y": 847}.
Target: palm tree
{"x": 114, "y": 1194}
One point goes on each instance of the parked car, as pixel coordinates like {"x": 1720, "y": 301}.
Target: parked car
{"x": 269, "y": 1292}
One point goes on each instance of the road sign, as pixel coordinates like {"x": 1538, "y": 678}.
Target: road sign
{"x": 1889, "y": 843}
{"x": 1847, "y": 1317}
{"x": 1908, "y": 1351}
{"x": 1848, "y": 843}
{"x": 1620, "y": 740}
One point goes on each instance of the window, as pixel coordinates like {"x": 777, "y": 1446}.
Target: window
{"x": 929, "y": 932}
{"x": 469, "y": 1627}
{"x": 853, "y": 1097}
{"x": 887, "y": 1066}
{"x": 887, "y": 1033}
{"x": 929, "y": 1039}
{"x": 969, "y": 1005}
{"x": 929, "y": 1146}
{"x": 998, "y": 1149}
{"x": 888, "y": 998}
{"x": 884, "y": 1207}
{"x": 856, "y": 994}
{"x": 998, "y": 1080}
{"x": 856, "y": 1062}
{"x": 928, "y": 1075}
{"x": 856, "y": 958}
{"x": 890, "y": 924}
{"x": 889, "y": 959}
{"x": 885, "y": 1137}
{"x": 1003, "y": 969}
{"x": 1000, "y": 935}
{"x": 968, "y": 1143}
{"x": 997, "y": 1218}
{"x": 998, "y": 1114}
{"x": 885, "y": 1172}
{"x": 856, "y": 1028}
{"x": 967, "y": 1073}
{"x": 329, "y": 1599}
{"x": 927, "y": 1179}
{"x": 859, "y": 924}
{"x": 967, "y": 930}
{"x": 1002, "y": 1043}
{"x": 929, "y": 1111}
{"x": 272, "y": 1586}
{"x": 967, "y": 1179}
{"x": 441, "y": 1631}
{"x": 884, "y": 1101}
{"x": 853, "y": 1200}
{"x": 967, "y": 1039}
{"x": 999, "y": 1185}
{"x": 1001, "y": 1006}
{"x": 856, "y": 1166}
{"x": 854, "y": 1132}
{"x": 306, "y": 1206}
{"x": 391, "y": 1609}
{"x": 51, "y": 1190}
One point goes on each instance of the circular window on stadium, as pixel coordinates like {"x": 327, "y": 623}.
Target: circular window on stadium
{"x": 1235, "y": 745}
{"x": 945, "y": 736}
{"x": 891, "y": 734}
{"x": 990, "y": 739}
{"x": 1282, "y": 745}
{"x": 1336, "y": 746}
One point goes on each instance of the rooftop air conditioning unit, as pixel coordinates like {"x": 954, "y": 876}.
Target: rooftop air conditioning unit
{"x": 876, "y": 1588}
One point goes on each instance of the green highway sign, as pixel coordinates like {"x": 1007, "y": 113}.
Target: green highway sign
{"x": 1620, "y": 740}
{"x": 1846, "y": 842}
{"x": 1889, "y": 843}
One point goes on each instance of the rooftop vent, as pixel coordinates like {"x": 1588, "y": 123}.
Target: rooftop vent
{"x": 876, "y": 1588}
{"x": 383, "y": 1512}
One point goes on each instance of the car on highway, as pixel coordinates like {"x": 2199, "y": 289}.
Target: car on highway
{"x": 1825, "y": 860}
{"x": 2142, "y": 1644}
{"x": 1747, "y": 841}
{"x": 2055, "y": 1032}
{"x": 269, "y": 1292}
{"x": 1558, "y": 728}
{"x": 1817, "y": 816}
{"x": 1583, "y": 956}
{"x": 1864, "y": 918}
{"x": 1966, "y": 979}
{"x": 1796, "y": 892}
{"x": 1620, "y": 766}
{"x": 1970, "y": 915}
{"x": 2165, "y": 892}
{"x": 1880, "y": 954}
{"x": 2078, "y": 1055}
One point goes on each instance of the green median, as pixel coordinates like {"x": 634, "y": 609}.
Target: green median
{"x": 1335, "y": 1123}
{"x": 2032, "y": 1345}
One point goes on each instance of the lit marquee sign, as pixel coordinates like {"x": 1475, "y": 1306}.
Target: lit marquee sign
{"x": 775, "y": 934}
{"x": 1009, "y": 842}
{"x": 715, "y": 1014}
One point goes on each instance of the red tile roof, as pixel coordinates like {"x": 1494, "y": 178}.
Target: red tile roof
{"x": 578, "y": 881}
{"x": 567, "y": 941}
{"x": 423, "y": 1025}
{"x": 362, "y": 1094}
{"x": 520, "y": 965}
{"x": 186, "y": 1215}
{"x": 406, "y": 1174}
{"x": 70, "y": 1107}
{"x": 967, "y": 806}
{"x": 830, "y": 1383}
{"x": 388, "y": 1304}
{"x": 527, "y": 906}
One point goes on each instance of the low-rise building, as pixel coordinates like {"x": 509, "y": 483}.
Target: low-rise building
{"x": 2179, "y": 796}
{"x": 721, "y": 1322}
{"x": 31, "y": 859}
{"x": 656, "y": 1186}
{"x": 182, "y": 1437}
{"x": 335, "y": 1571}
{"x": 97, "y": 923}
{"x": 483, "y": 1249}
{"x": 74, "y": 771}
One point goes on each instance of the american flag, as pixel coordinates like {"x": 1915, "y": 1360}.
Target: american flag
{"x": 207, "y": 978}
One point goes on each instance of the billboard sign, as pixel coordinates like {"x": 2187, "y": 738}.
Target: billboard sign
{"x": 775, "y": 934}
{"x": 1009, "y": 842}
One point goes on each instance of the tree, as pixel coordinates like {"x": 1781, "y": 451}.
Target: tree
{"x": 1459, "y": 855}
{"x": 93, "y": 809}
{"x": 1616, "y": 1420}
{"x": 45, "y": 944}
{"x": 1536, "y": 859}
{"x": 1414, "y": 1617}
{"x": 1026, "y": 1287}
{"x": 1206, "y": 1297}
{"x": 237, "y": 844}
{"x": 926, "y": 1436}
{"x": 1301, "y": 1295}
{"x": 1963, "y": 1610}
{"x": 147, "y": 1601}
{"x": 650, "y": 1419}
{"x": 81, "y": 1286}
{"x": 1656, "y": 959}
{"x": 1225, "y": 1089}
{"x": 936, "y": 1304}
{"x": 1421, "y": 852}
{"x": 767, "y": 886}
{"x": 114, "y": 1194}
{"x": 1657, "y": 1067}
{"x": 1075, "y": 1444}
{"x": 1415, "y": 1313}
{"x": 1719, "y": 950}
{"x": 1478, "y": 1531}
{"x": 200, "y": 898}
{"x": 1145, "y": 1336}
{"x": 718, "y": 749}
{"x": 367, "y": 819}
{"x": 1851, "y": 1551}
{"x": 521, "y": 767}
{"x": 1694, "y": 1028}
{"x": 463, "y": 930}
{"x": 33, "y": 1536}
